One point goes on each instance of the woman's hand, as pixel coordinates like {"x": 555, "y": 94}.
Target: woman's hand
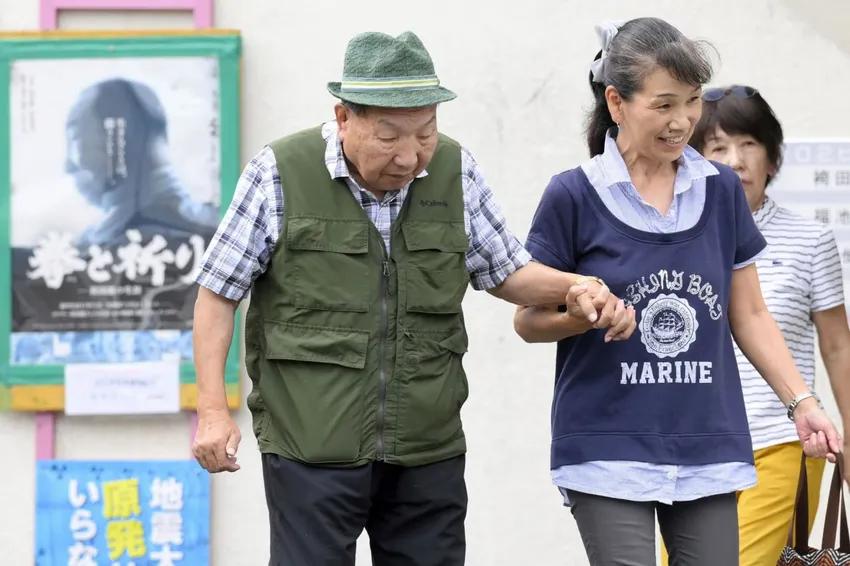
{"x": 596, "y": 303}
{"x": 818, "y": 435}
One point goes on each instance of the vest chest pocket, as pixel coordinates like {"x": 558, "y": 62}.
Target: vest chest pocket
{"x": 436, "y": 277}
{"x": 329, "y": 263}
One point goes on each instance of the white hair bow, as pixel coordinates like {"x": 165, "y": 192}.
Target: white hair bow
{"x": 605, "y": 32}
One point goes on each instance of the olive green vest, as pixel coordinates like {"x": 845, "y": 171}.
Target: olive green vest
{"x": 354, "y": 350}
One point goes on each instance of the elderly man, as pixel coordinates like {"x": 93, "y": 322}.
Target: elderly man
{"x": 355, "y": 333}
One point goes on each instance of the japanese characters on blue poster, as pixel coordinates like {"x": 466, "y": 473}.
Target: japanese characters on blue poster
{"x": 107, "y": 237}
{"x": 122, "y": 513}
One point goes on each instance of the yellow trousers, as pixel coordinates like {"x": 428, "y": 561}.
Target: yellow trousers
{"x": 764, "y": 511}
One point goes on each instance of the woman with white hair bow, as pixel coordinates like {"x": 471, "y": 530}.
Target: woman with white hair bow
{"x": 655, "y": 424}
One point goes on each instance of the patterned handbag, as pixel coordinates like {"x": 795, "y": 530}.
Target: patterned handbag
{"x": 797, "y": 551}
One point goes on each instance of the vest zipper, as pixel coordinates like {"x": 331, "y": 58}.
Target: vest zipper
{"x": 382, "y": 385}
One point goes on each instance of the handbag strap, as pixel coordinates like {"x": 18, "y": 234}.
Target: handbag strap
{"x": 836, "y": 504}
{"x": 800, "y": 518}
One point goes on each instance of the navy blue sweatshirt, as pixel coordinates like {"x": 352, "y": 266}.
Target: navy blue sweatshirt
{"x": 671, "y": 393}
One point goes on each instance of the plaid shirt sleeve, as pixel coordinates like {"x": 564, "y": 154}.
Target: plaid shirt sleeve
{"x": 494, "y": 252}
{"x": 241, "y": 248}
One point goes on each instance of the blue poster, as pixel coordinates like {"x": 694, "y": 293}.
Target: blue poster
{"x": 122, "y": 513}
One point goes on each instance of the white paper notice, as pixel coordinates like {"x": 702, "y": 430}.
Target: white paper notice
{"x": 122, "y": 389}
{"x": 814, "y": 182}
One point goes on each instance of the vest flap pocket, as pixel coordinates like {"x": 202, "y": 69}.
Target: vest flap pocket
{"x": 432, "y": 389}
{"x": 435, "y": 235}
{"x": 327, "y": 234}
{"x": 320, "y": 344}
{"x": 435, "y": 275}
{"x": 457, "y": 343}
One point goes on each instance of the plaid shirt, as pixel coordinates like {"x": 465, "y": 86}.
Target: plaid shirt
{"x": 241, "y": 249}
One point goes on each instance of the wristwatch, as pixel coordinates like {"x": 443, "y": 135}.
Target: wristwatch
{"x": 793, "y": 404}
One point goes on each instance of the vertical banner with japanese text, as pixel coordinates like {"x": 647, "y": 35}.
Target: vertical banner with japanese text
{"x": 122, "y": 513}
{"x": 814, "y": 182}
{"x": 122, "y": 154}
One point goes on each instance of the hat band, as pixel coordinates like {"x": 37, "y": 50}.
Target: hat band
{"x": 350, "y": 84}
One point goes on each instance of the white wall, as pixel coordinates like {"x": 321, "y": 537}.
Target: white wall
{"x": 520, "y": 71}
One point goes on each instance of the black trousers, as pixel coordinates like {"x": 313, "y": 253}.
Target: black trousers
{"x": 414, "y": 516}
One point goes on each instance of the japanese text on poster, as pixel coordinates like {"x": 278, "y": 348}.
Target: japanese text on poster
{"x": 814, "y": 181}
{"x": 115, "y": 513}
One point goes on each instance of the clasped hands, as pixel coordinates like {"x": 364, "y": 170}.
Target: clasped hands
{"x": 594, "y": 302}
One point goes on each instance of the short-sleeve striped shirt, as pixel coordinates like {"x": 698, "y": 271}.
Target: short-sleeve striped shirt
{"x": 800, "y": 273}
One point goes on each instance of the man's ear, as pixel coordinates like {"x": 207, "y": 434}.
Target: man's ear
{"x": 342, "y": 115}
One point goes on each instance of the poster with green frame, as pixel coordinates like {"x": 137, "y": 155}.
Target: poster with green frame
{"x": 120, "y": 155}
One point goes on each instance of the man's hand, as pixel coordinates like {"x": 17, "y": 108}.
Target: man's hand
{"x": 216, "y": 442}
{"x": 595, "y": 302}
{"x": 817, "y": 433}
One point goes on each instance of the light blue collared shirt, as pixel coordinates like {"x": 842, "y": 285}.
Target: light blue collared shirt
{"x": 640, "y": 481}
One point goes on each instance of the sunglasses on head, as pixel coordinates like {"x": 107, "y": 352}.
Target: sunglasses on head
{"x": 716, "y": 94}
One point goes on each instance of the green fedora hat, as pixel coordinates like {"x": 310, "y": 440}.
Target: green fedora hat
{"x": 389, "y": 72}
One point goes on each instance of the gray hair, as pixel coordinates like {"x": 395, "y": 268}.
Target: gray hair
{"x": 356, "y": 109}
{"x": 638, "y": 48}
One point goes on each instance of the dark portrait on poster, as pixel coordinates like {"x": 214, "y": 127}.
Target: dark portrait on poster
{"x": 115, "y": 194}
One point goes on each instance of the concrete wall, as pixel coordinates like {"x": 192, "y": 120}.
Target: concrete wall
{"x": 520, "y": 71}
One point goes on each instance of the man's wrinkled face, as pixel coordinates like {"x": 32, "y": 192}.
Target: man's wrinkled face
{"x": 387, "y": 147}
